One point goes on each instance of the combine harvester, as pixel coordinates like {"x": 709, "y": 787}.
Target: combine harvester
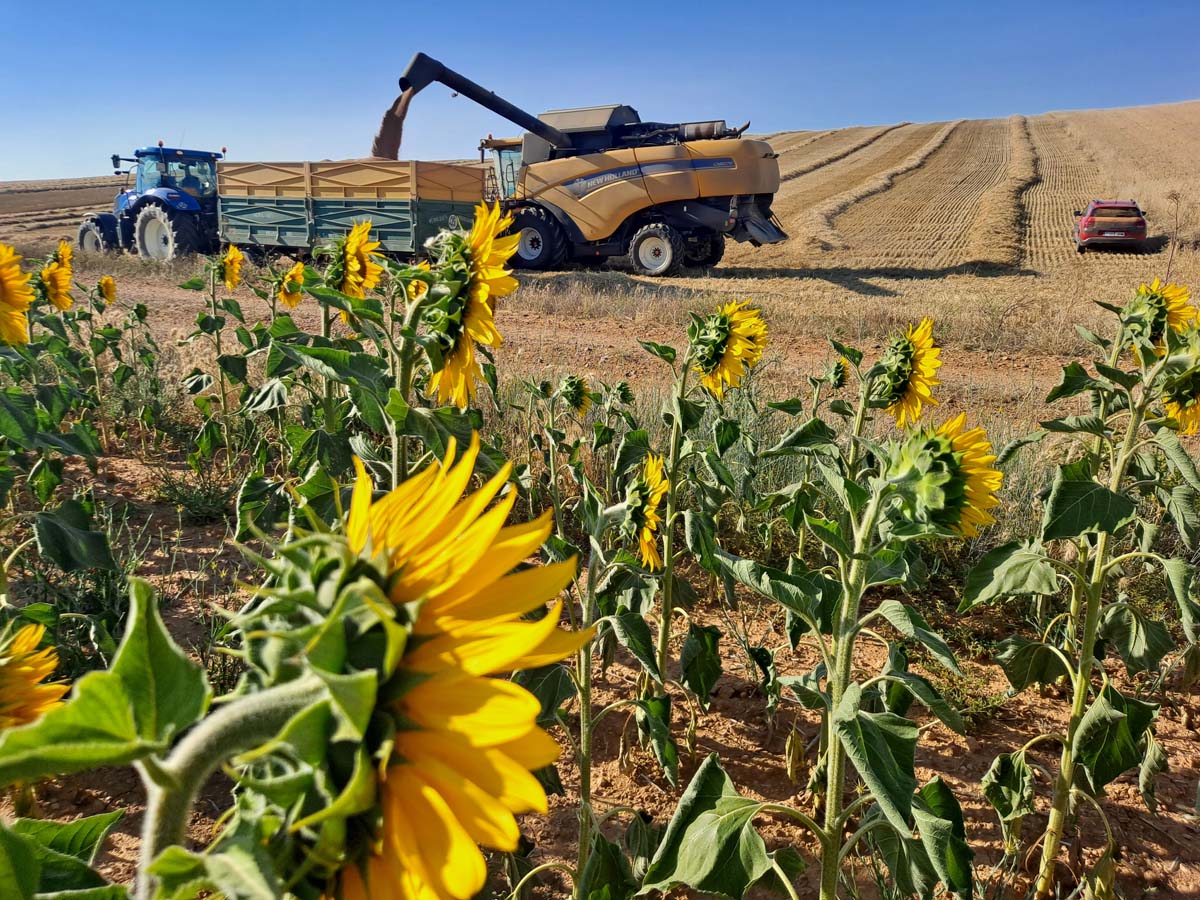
{"x": 582, "y": 184}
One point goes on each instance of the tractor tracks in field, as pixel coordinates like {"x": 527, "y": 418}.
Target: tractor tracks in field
{"x": 818, "y": 224}
{"x": 997, "y": 236}
{"x": 870, "y": 138}
{"x": 923, "y": 220}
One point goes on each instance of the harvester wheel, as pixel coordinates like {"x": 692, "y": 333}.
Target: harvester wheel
{"x": 161, "y": 235}
{"x": 542, "y": 244}
{"x": 95, "y": 238}
{"x": 656, "y": 250}
{"x": 706, "y": 253}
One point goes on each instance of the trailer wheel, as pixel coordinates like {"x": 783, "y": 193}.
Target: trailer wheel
{"x": 160, "y": 235}
{"x": 656, "y": 250}
{"x": 706, "y": 253}
{"x": 93, "y": 237}
{"x": 541, "y": 243}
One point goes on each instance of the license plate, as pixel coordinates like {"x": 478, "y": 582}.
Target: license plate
{"x": 1114, "y": 234}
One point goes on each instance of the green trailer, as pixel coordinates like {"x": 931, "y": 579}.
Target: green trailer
{"x": 297, "y": 205}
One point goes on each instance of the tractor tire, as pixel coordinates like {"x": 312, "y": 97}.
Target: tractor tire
{"x": 656, "y": 250}
{"x": 93, "y": 237}
{"x": 162, "y": 235}
{"x": 705, "y": 253}
{"x": 542, "y": 244}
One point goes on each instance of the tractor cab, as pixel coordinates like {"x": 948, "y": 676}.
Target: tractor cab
{"x": 171, "y": 209}
{"x": 502, "y": 178}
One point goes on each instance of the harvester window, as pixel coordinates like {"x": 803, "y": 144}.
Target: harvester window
{"x": 508, "y": 164}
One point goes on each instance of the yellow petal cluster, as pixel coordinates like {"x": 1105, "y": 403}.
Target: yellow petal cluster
{"x": 23, "y": 668}
{"x": 16, "y": 296}
{"x": 462, "y": 770}
{"x": 922, "y": 358}
{"x": 290, "y": 294}
{"x": 975, "y": 457}
{"x": 360, "y": 272}
{"x": 652, "y": 486}
{"x": 231, "y": 267}
{"x": 744, "y": 335}
{"x": 108, "y": 289}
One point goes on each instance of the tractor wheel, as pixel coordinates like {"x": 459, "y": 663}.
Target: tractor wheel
{"x": 706, "y": 253}
{"x": 656, "y": 250}
{"x": 160, "y": 235}
{"x": 95, "y": 238}
{"x": 542, "y": 244}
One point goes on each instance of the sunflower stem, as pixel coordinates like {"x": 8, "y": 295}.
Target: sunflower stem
{"x": 222, "y": 386}
{"x": 586, "y": 724}
{"x": 407, "y": 353}
{"x": 668, "y": 576}
{"x": 242, "y": 725}
{"x": 1089, "y": 600}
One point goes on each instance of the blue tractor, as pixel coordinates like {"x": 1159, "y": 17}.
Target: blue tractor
{"x": 170, "y": 211}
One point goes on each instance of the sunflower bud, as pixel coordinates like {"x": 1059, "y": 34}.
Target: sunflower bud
{"x": 838, "y": 374}
{"x": 1153, "y": 309}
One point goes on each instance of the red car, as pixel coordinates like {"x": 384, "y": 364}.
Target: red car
{"x": 1113, "y": 222}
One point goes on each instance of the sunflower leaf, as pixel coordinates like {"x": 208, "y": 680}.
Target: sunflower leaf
{"x": 1008, "y": 787}
{"x": 939, "y": 820}
{"x": 1154, "y": 763}
{"x": 1109, "y": 734}
{"x": 1027, "y": 662}
{"x": 710, "y": 844}
{"x": 654, "y": 720}
{"x": 912, "y": 625}
{"x": 1142, "y": 642}
{"x": 882, "y": 747}
{"x": 1075, "y": 380}
{"x": 1011, "y": 569}
{"x": 1078, "y": 505}
{"x": 700, "y": 661}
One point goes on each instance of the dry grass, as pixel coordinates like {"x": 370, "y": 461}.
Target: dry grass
{"x": 818, "y": 224}
{"x": 998, "y": 227}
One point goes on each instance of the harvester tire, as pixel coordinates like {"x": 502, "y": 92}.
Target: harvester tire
{"x": 161, "y": 235}
{"x": 706, "y": 253}
{"x": 656, "y": 250}
{"x": 93, "y": 237}
{"x": 541, "y": 244}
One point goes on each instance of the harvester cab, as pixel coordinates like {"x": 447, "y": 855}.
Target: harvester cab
{"x": 598, "y": 182}
{"x": 170, "y": 210}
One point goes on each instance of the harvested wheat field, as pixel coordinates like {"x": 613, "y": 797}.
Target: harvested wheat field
{"x": 967, "y": 222}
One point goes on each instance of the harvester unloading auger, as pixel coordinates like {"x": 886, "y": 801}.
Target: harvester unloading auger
{"x": 598, "y": 182}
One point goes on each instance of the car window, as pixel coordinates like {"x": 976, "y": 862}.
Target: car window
{"x": 1116, "y": 212}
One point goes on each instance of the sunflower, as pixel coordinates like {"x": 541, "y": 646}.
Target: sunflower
{"x": 418, "y": 287}
{"x": 23, "y": 698}
{"x": 465, "y": 744}
{"x": 574, "y": 390}
{"x": 945, "y": 477}
{"x": 909, "y": 369}
{"x": 16, "y": 296}
{"x": 487, "y": 254}
{"x": 231, "y": 267}
{"x": 56, "y": 285}
{"x": 290, "y": 294}
{"x": 643, "y": 499}
{"x": 727, "y": 344}
{"x": 839, "y": 373}
{"x": 1170, "y": 303}
{"x": 108, "y": 289}
{"x": 360, "y": 273}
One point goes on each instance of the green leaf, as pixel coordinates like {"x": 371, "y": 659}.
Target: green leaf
{"x": 194, "y": 284}
{"x": 1154, "y": 763}
{"x": 827, "y": 533}
{"x": 700, "y": 661}
{"x": 912, "y": 625}
{"x": 1178, "y": 456}
{"x": 906, "y": 859}
{"x": 654, "y": 719}
{"x": 65, "y": 536}
{"x": 1109, "y": 734}
{"x": 1077, "y": 424}
{"x": 1008, "y": 786}
{"x": 688, "y": 412}
{"x": 552, "y": 686}
{"x": 1180, "y": 575}
{"x": 353, "y": 698}
{"x": 607, "y": 872}
{"x": 1027, "y": 662}
{"x": 726, "y": 433}
{"x": 813, "y": 437}
{"x": 1142, "y": 642}
{"x": 939, "y": 820}
{"x": 1009, "y": 450}
{"x": 169, "y": 691}
{"x": 19, "y": 866}
{"x": 662, "y": 351}
{"x": 1078, "y": 506}
{"x": 634, "y": 635}
{"x": 634, "y": 447}
{"x": 923, "y": 690}
{"x": 1075, "y": 380}
{"x": 882, "y": 747}
{"x": 80, "y": 839}
{"x": 710, "y": 844}
{"x": 1010, "y": 569}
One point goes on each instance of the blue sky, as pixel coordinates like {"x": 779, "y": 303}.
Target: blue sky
{"x": 309, "y": 80}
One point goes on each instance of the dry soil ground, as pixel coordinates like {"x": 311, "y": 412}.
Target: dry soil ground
{"x": 886, "y": 226}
